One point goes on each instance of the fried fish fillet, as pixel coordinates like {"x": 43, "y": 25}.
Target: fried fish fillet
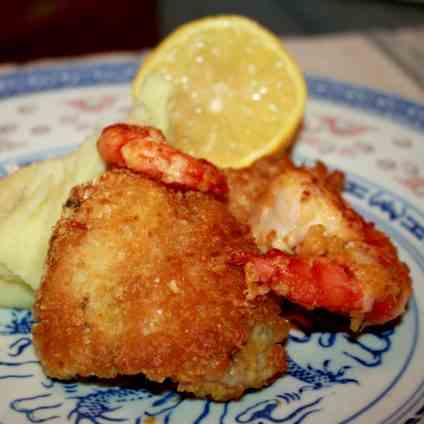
{"x": 138, "y": 280}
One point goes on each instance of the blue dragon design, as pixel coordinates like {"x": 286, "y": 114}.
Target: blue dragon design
{"x": 19, "y": 325}
{"x": 96, "y": 406}
{"x": 99, "y": 405}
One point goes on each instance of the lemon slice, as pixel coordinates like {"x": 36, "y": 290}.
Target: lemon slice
{"x": 238, "y": 94}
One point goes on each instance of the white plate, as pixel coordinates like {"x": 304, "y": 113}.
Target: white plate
{"x": 379, "y": 378}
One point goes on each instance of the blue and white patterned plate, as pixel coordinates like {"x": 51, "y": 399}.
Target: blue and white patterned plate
{"x": 377, "y": 139}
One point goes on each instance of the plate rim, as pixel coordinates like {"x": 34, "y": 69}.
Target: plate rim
{"x": 72, "y": 74}
{"x": 385, "y": 105}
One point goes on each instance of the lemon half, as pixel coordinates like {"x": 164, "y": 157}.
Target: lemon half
{"x": 238, "y": 95}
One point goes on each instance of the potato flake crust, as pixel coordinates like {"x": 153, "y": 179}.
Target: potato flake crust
{"x": 138, "y": 281}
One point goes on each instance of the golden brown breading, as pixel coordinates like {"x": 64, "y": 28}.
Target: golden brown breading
{"x": 138, "y": 280}
{"x": 247, "y": 185}
{"x": 320, "y": 253}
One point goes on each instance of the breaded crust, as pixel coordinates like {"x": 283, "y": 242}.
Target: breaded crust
{"x": 248, "y": 185}
{"x": 138, "y": 280}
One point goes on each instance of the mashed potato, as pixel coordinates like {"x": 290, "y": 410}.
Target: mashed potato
{"x": 31, "y": 199}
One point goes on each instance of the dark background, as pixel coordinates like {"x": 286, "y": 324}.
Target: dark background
{"x": 36, "y": 29}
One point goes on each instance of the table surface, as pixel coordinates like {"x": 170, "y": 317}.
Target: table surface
{"x": 392, "y": 61}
